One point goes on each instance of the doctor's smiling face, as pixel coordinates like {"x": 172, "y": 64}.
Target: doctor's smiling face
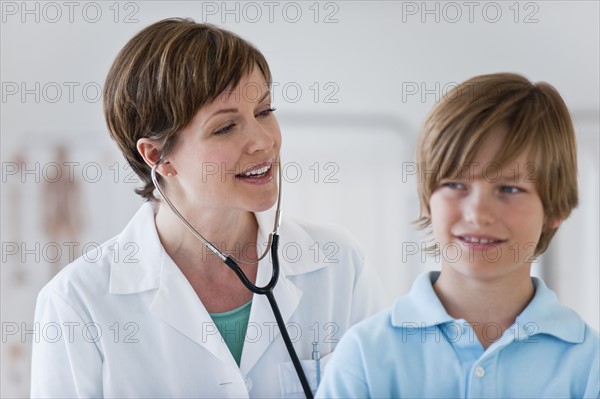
{"x": 227, "y": 156}
{"x": 489, "y": 219}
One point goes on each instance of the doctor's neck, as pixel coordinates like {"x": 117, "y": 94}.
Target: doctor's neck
{"x": 232, "y": 232}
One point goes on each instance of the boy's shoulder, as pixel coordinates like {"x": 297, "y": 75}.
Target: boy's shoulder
{"x": 419, "y": 308}
{"x": 546, "y": 315}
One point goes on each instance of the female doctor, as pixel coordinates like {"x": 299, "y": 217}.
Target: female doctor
{"x": 172, "y": 320}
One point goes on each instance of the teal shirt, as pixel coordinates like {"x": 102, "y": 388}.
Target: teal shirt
{"x": 233, "y": 325}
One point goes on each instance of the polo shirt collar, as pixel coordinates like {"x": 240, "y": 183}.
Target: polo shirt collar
{"x": 546, "y": 315}
{"x": 422, "y": 308}
{"x": 421, "y": 305}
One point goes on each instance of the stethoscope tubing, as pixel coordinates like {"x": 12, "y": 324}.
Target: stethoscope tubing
{"x": 266, "y": 290}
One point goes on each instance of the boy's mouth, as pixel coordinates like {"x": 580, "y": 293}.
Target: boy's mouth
{"x": 480, "y": 240}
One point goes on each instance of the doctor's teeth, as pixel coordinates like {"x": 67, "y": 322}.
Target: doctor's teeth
{"x": 257, "y": 172}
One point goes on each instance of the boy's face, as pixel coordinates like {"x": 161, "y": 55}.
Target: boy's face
{"x": 488, "y": 221}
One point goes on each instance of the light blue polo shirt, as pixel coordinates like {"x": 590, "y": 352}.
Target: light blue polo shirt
{"x": 415, "y": 350}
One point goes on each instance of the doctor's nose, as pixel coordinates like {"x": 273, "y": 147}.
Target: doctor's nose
{"x": 262, "y": 137}
{"x": 479, "y": 209}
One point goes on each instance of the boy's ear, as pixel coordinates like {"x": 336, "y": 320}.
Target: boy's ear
{"x": 555, "y": 222}
{"x": 425, "y": 212}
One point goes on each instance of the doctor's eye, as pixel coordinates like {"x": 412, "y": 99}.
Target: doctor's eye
{"x": 225, "y": 129}
{"x": 266, "y": 112}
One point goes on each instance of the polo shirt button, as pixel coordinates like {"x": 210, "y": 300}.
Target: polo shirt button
{"x": 248, "y": 383}
{"x": 479, "y": 372}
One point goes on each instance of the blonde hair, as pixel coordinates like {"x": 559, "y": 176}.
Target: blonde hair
{"x": 163, "y": 75}
{"x": 537, "y": 119}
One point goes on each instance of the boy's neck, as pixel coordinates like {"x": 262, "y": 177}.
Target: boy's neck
{"x": 485, "y": 302}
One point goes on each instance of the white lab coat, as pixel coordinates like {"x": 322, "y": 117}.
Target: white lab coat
{"x": 123, "y": 321}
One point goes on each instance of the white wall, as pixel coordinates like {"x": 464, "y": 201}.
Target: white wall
{"x": 364, "y": 62}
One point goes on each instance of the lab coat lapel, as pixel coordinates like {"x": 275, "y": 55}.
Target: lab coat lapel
{"x": 175, "y": 301}
{"x": 262, "y": 327}
{"x": 177, "y": 304}
{"x": 141, "y": 272}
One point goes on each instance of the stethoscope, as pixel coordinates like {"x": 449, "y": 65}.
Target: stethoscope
{"x": 266, "y": 290}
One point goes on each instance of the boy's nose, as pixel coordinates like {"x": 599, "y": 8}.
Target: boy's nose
{"x": 479, "y": 209}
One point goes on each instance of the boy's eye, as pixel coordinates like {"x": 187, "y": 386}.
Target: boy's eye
{"x": 453, "y": 185}
{"x": 510, "y": 190}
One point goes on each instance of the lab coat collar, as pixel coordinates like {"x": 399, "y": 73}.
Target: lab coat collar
{"x": 141, "y": 271}
{"x": 175, "y": 299}
{"x": 296, "y": 246}
{"x": 422, "y": 308}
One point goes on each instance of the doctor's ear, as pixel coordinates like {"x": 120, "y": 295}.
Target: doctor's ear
{"x": 150, "y": 150}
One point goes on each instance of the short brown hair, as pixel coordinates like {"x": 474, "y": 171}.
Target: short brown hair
{"x": 537, "y": 119}
{"x": 163, "y": 75}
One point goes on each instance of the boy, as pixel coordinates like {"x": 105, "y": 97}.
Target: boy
{"x": 498, "y": 169}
